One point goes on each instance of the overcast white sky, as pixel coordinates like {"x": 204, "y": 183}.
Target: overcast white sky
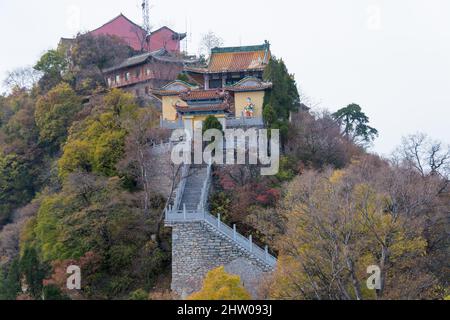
{"x": 390, "y": 56}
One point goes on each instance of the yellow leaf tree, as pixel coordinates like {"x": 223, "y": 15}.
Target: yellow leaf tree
{"x": 341, "y": 222}
{"x": 220, "y": 285}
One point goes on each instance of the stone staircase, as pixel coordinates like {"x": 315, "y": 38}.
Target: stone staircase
{"x": 193, "y": 188}
{"x": 191, "y": 206}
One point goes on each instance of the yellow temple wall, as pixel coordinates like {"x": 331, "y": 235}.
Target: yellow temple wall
{"x": 192, "y": 122}
{"x": 240, "y": 102}
{"x": 168, "y": 109}
{"x": 200, "y": 118}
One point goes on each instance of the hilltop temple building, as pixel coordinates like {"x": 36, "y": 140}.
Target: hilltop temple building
{"x": 144, "y": 72}
{"x": 230, "y": 87}
{"x": 137, "y": 38}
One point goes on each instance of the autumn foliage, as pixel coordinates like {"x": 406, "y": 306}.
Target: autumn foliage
{"x": 220, "y": 285}
{"x": 339, "y": 222}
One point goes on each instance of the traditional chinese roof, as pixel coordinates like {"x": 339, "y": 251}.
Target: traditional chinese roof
{"x": 249, "y": 84}
{"x": 198, "y": 78}
{"x": 202, "y": 94}
{"x": 160, "y": 55}
{"x": 189, "y": 92}
{"x": 247, "y": 89}
{"x": 174, "y": 88}
{"x": 135, "y": 60}
{"x": 250, "y": 88}
{"x": 120, "y": 16}
{"x": 175, "y": 36}
{"x": 202, "y": 107}
{"x": 236, "y": 59}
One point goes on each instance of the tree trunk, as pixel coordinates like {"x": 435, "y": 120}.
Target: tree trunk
{"x": 383, "y": 261}
{"x": 355, "y": 282}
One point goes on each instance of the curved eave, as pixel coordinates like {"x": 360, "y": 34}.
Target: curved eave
{"x": 202, "y": 95}
{"x": 207, "y": 71}
{"x": 163, "y": 93}
{"x": 248, "y": 89}
{"x": 200, "y": 109}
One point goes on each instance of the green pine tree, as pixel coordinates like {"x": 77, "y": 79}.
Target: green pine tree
{"x": 11, "y": 285}
{"x": 282, "y": 99}
{"x": 355, "y": 124}
{"x": 2, "y": 285}
{"x": 212, "y": 122}
{"x": 52, "y": 292}
{"x": 33, "y": 271}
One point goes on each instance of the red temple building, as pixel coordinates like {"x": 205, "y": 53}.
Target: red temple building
{"x": 137, "y": 38}
{"x": 165, "y": 38}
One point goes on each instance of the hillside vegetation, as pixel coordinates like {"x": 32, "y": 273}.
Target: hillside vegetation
{"x": 76, "y": 188}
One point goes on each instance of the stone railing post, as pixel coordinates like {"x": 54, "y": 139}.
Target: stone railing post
{"x": 184, "y": 211}
{"x": 205, "y": 188}
{"x": 232, "y": 233}
{"x": 181, "y": 185}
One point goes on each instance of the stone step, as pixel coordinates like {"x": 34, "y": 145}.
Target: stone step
{"x": 193, "y": 191}
{"x": 195, "y": 180}
{"x": 193, "y": 187}
{"x": 190, "y": 200}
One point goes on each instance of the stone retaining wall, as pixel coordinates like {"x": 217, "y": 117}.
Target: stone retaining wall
{"x": 198, "y": 247}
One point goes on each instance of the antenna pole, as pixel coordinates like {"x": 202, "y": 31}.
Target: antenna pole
{"x": 146, "y": 15}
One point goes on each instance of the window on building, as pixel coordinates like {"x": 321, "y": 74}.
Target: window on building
{"x": 109, "y": 81}
{"x": 215, "y": 83}
{"x": 118, "y": 78}
{"x": 138, "y": 73}
{"x": 258, "y": 74}
{"x": 127, "y": 76}
{"x": 147, "y": 72}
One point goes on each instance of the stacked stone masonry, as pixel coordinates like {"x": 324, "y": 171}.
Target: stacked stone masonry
{"x": 198, "y": 247}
